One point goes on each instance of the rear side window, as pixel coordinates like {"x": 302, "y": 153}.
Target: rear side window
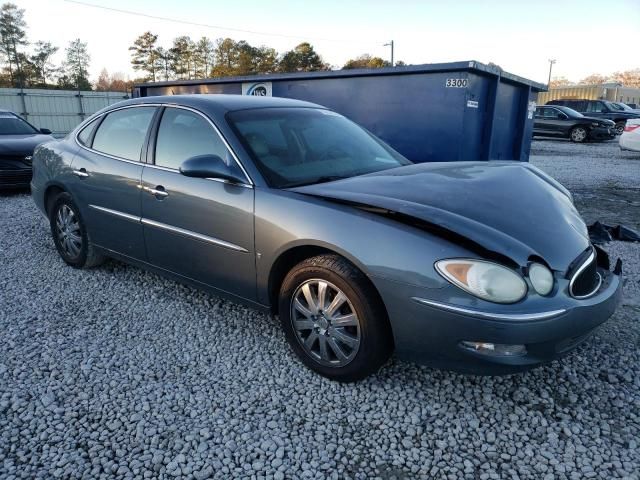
{"x": 84, "y": 136}
{"x": 122, "y": 132}
{"x": 596, "y": 107}
{"x": 183, "y": 134}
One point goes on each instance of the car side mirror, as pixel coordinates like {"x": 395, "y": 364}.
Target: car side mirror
{"x": 45, "y": 131}
{"x": 209, "y": 166}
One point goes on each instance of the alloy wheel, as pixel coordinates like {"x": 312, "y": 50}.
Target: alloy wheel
{"x": 578, "y": 134}
{"x": 68, "y": 231}
{"x": 325, "y": 323}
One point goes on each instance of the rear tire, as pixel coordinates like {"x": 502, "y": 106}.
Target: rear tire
{"x": 619, "y": 128}
{"x": 344, "y": 334}
{"x": 70, "y": 234}
{"x": 578, "y": 134}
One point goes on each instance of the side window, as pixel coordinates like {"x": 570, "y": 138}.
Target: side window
{"x": 85, "y": 134}
{"x": 540, "y": 112}
{"x": 183, "y": 134}
{"x": 122, "y": 132}
{"x": 596, "y": 107}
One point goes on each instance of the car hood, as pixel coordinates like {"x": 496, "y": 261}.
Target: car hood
{"x": 510, "y": 208}
{"x": 21, "y": 144}
{"x": 599, "y": 120}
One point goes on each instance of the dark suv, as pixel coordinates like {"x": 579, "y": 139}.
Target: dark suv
{"x": 599, "y": 109}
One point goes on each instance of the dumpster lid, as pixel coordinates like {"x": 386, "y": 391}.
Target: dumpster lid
{"x": 466, "y": 66}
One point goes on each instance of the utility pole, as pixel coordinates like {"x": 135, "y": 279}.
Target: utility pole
{"x": 390, "y": 44}
{"x": 551, "y": 63}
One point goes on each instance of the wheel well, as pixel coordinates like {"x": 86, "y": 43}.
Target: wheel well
{"x": 50, "y": 194}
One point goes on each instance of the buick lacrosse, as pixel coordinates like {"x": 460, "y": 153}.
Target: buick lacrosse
{"x": 482, "y": 267}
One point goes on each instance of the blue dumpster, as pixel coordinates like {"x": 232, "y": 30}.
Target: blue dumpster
{"x": 437, "y": 112}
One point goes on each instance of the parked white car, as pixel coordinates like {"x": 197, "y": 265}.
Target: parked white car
{"x": 630, "y": 138}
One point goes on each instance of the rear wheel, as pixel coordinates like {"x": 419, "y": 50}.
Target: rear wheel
{"x": 578, "y": 134}
{"x": 333, "y": 319}
{"x": 619, "y": 128}
{"x": 70, "y": 234}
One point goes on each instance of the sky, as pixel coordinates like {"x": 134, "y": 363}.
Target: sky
{"x": 584, "y": 36}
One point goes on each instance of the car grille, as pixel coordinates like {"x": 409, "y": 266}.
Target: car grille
{"x": 584, "y": 277}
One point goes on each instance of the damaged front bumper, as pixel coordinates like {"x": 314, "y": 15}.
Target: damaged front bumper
{"x": 445, "y": 329}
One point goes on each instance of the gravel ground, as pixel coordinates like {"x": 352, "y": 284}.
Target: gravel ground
{"x": 118, "y": 373}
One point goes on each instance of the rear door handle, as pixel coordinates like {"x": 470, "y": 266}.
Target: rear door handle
{"x": 159, "y": 192}
{"x": 81, "y": 172}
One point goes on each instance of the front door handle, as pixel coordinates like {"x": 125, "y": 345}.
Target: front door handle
{"x": 81, "y": 172}
{"x": 159, "y": 192}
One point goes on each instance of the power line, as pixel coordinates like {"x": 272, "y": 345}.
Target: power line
{"x": 203, "y": 25}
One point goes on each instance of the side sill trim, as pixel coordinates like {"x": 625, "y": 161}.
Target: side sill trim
{"x": 488, "y": 315}
{"x": 199, "y": 236}
{"x": 116, "y": 213}
{"x": 164, "y": 226}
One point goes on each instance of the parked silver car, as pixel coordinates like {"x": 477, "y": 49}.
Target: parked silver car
{"x": 289, "y": 207}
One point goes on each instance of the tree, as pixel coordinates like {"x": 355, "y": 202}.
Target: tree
{"x": 203, "y": 57}
{"x": 164, "y": 62}
{"x": 594, "y": 79}
{"x": 144, "y": 56}
{"x": 104, "y": 81}
{"x": 12, "y": 36}
{"x": 113, "y": 83}
{"x": 226, "y": 58}
{"x": 181, "y": 57}
{"x": 41, "y": 60}
{"x": 366, "y": 61}
{"x": 560, "y": 82}
{"x": 77, "y": 65}
{"x": 629, "y": 78}
{"x": 303, "y": 58}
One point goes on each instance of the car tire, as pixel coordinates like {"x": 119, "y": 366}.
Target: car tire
{"x": 578, "y": 134}
{"x": 356, "y": 335}
{"x": 619, "y": 128}
{"x": 70, "y": 234}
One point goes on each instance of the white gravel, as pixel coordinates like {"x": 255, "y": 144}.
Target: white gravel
{"x": 118, "y": 373}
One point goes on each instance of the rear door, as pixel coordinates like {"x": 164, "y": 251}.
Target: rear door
{"x": 107, "y": 171}
{"x": 199, "y": 228}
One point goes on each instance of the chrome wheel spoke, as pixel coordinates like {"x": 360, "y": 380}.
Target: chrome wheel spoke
{"x": 324, "y": 353}
{"x": 337, "y": 350}
{"x": 308, "y": 296}
{"x": 301, "y": 308}
{"x": 313, "y": 336}
{"x": 322, "y": 293}
{"x": 349, "y": 320}
{"x": 305, "y": 324}
{"x": 336, "y": 303}
{"x": 344, "y": 337}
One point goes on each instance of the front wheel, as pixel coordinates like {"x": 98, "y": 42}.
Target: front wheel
{"x": 578, "y": 134}
{"x": 70, "y": 234}
{"x": 334, "y": 319}
{"x": 619, "y": 128}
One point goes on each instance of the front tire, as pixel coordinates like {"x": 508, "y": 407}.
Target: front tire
{"x": 578, "y": 134}
{"x": 619, "y": 128}
{"x": 70, "y": 234}
{"x": 334, "y": 319}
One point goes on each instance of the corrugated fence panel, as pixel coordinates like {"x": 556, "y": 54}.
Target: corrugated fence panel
{"x": 58, "y": 110}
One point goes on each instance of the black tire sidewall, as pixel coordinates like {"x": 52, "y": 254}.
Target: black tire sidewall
{"x": 375, "y": 335}
{"x": 81, "y": 259}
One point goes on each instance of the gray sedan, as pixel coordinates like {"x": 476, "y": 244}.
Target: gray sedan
{"x": 288, "y": 207}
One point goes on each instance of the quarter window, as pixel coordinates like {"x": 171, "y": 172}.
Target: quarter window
{"x": 122, "y": 132}
{"x": 183, "y": 134}
{"x": 85, "y": 134}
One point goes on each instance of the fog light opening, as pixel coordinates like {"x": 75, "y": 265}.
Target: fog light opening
{"x": 495, "y": 349}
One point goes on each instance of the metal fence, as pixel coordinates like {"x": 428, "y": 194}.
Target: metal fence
{"x": 58, "y": 110}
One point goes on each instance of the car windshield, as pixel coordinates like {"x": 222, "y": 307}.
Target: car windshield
{"x": 13, "y": 125}
{"x": 569, "y": 111}
{"x": 303, "y": 146}
{"x": 621, "y": 106}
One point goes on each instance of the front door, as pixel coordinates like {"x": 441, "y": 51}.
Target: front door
{"x": 198, "y": 228}
{"x": 108, "y": 171}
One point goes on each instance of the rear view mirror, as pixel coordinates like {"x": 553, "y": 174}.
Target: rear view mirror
{"x": 45, "y": 131}
{"x": 209, "y": 166}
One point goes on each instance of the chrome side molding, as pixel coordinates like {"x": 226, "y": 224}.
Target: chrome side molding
{"x": 489, "y": 315}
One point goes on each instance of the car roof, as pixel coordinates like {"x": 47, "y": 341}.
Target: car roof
{"x": 219, "y": 103}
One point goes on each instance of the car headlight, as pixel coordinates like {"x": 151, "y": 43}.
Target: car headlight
{"x": 541, "y": 278}
{"x": 483, "y": 279}
{"x": 595, "y": 124}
